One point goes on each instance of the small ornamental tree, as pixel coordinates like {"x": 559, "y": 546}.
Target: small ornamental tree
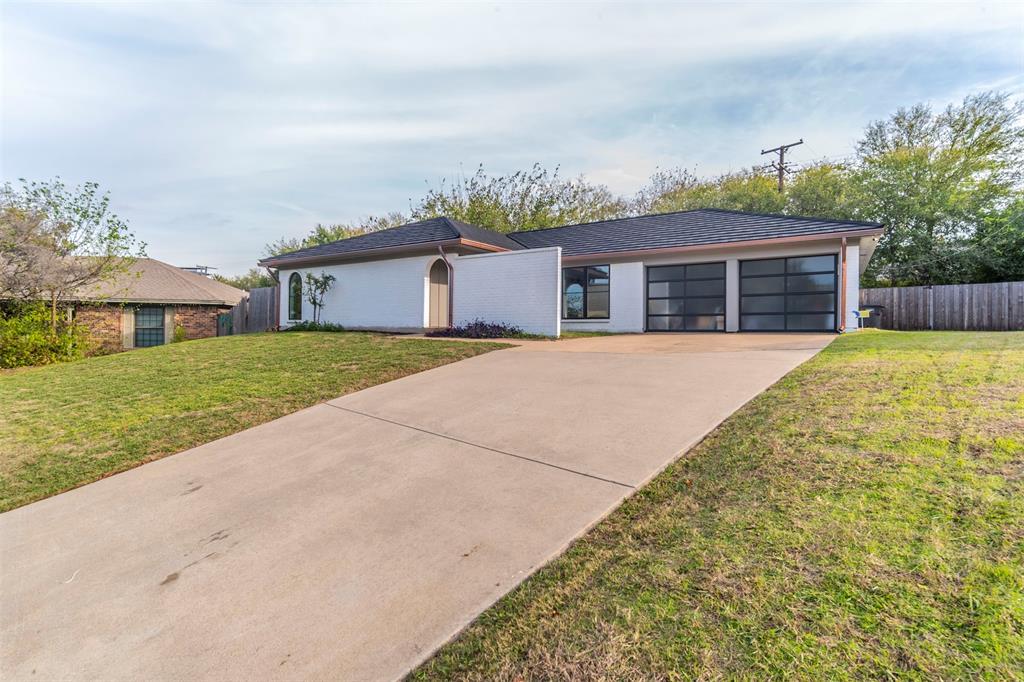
{"x": 316, "y": 289}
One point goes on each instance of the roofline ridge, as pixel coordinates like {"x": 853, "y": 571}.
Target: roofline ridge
{"x": 793, "y": 217}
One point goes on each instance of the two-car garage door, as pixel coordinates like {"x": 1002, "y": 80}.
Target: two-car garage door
{"x": 788, "y": 294}
{"x": 776, "y": 294}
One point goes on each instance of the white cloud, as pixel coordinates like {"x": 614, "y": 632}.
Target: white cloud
{"x": 218, "y": 127}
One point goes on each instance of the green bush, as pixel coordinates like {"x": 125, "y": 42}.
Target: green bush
{"x": 179, "y": 334}
{"x": 26, "y": 338}
{"x": 313, "y": 327}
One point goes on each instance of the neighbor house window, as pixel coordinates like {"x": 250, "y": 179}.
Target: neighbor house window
{"x": 585, "y": 292}
{"x": 295, "y": 297}
{"x": 149, "y": 326}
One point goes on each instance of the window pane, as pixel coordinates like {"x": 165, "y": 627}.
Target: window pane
{"x": 705, "y": 270}
{"x": 763, "y": 322}
{"x": 295, "y": 297}
{"x": 665, "y": 289}
{"x": 708, "y": 287}
{"x": 598, "y": 275}
{"x": 149, "y": 317}
{"x": 661, "y": 274}
{"x": 706, "y": 323}
{"x": 763, "y": 304}
{"x": 764, "y": 285}
{"x": 763, "y": 267}
{"x": 812, "y": 264}
{"x": 799, "y": 283}
{"x": 812, "y": 303}
{"x": 663, "y": 324}
{"x": 705, "y": 306}
{"x": 597, "y": 304}
{"x": 811, "y": 322}
{"x": 147, "y": 337}
{"x": 572, "y": 302}
{"x": 665, "y": 306}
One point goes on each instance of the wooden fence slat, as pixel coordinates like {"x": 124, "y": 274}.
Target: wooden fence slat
{"x": 981, "y": 307}
{"x": 257, "y": 312}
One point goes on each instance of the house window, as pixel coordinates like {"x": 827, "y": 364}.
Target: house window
{"x": 585, "y": 292}
{"x": 149, "y": 326}
{"x": 295, "y": 297}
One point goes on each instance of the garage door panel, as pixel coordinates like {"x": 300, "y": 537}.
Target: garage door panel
{"x": 819, "y": 282}
{"x": 705, "y": 287}
{"x": 666, "y": 289}
{"x": 763, "y": 322}
{"x": 686, "y": 297}
{"x": 667, "y": 306}
{"x": 810, "y": 322}
{"x": 762, "y": 304}
{"x": 810, "y": 264}
{"x": 705, "y": 323}
{"x": 705, "y": 306}
{"x": 765, "y": 285}
{"x": 789, "y": 294}
{"x": 811, "y": 303}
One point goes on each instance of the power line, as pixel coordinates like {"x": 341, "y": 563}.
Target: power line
{"x": 780, "y": 165}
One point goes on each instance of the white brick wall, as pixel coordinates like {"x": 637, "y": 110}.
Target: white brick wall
{"x": 381, "y": 294}
{"x": 521, "y": 288}
{"x": 852, "y": 283}
{"x": 626, "y": 301}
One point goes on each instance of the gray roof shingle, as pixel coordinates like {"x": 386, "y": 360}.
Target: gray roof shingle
{"x": 421, "y": 232}
{"x": 151, "y": 281}
{"x": 699, "y": 227}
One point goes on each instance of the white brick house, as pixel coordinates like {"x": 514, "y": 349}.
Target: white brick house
{"x": 706, "y": 270}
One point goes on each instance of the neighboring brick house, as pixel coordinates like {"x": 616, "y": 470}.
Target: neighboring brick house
{"x": 144, "y": 306}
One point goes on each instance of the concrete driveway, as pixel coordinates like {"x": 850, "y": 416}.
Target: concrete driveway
{"x": 351, "y": 539}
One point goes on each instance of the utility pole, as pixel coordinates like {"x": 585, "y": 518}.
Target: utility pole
{"x": 780, "y": 166}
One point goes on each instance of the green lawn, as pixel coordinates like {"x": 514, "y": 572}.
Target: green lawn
{"x": 65, "y": 425}
{"x": 862, "y": 519}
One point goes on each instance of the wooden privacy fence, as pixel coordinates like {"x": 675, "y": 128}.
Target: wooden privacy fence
{"x": 975, "y": 307}
{"x": 257, "y": 312}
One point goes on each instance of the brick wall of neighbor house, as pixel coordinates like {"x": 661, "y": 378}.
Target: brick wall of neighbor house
{"x": 104, "y": 324}
{"x": 199, "y": 321}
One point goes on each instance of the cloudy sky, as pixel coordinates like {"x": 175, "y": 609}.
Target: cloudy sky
{"x": 220, "y": 127}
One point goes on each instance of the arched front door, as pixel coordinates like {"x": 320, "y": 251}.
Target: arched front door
{"x": 439, "y": 294}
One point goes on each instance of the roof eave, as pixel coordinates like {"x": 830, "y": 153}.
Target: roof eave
{"x": 156, "y": 301}
{"x": 386, "y": 251}
{"x": 716, "y": 246}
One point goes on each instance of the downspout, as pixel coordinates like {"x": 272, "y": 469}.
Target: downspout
{"x": 842, "y": 292}
{"x": 451, "y": 285}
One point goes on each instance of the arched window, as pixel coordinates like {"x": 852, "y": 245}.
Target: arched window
{"x": 295, "y": 297}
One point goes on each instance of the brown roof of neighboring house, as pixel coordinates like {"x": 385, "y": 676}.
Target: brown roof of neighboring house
{"x": 153, "y": 281}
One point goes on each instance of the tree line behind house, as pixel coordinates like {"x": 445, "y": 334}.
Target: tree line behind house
{"x": 947, "y": 185}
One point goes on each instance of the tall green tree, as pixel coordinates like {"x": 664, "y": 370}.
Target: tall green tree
{"x": 933, "y": 178}
{"x": 821, "y": 190}
{"x": 523, "y": 200}
{"x": 324, "y": 234}
{"x": 741, "y": 191}
{"x": 253, "y": 279}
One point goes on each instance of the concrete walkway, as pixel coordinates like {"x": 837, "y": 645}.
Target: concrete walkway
{"x": 351, "y": 539}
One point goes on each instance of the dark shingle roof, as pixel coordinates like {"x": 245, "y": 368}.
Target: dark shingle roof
{"x": 700, "y": 227}
{"x": 422, "y": 232}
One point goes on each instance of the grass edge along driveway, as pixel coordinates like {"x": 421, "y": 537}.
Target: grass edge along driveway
{"x": 69, "y": 424}
{"x": 861, "y": 519}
